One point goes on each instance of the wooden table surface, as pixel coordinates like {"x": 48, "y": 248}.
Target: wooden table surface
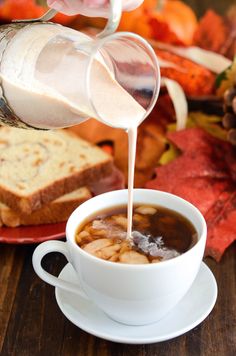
{"x": 31, "y": 323}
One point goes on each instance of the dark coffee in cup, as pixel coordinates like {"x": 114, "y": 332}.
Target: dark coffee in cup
{"x": 158, "y": 235}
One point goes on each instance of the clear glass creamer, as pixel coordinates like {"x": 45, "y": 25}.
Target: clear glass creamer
{"x": 53, "y": 77}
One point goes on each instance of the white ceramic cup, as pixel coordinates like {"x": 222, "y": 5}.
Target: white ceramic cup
{"x": 130, "y": 294}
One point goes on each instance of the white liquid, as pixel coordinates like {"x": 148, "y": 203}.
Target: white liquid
{"x": 45, "y": 87}
{"x": 132, "y": 137}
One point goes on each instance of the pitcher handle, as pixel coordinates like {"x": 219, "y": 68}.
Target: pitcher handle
{"x": 113, "y": 19}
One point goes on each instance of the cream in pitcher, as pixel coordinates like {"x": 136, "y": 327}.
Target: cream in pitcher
{"x": 44, "y": 67}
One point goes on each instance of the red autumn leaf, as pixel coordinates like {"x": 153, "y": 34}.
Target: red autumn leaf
{"x": 162, "y": 32}
{"x": 212, "y": 32}
{"x": 221, "y": 225}
{"x": 204, "y": 175}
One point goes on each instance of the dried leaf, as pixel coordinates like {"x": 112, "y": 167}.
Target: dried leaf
{"x": 204, "y": 174}
{"x": 212, "y": 32}
{"x": 226, "y": 79}
{"x": 179, "y": 101}
{"x": 231, "y": 41}
{"x": 210, "y": 123}
{"x": 210, "y": 60}
{"x": 169, "y": 155}
{"x": 150, "y": 146}
{"x": 194, "y": 79}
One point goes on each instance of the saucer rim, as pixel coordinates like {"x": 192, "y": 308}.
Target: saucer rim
{"x": 146, "y": 340}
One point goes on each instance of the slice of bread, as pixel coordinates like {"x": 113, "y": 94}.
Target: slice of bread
{"x": 58, "y": 210}
{"x": 37, "y": 167}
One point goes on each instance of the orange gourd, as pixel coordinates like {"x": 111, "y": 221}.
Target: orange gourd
{"x": 170, "y": 21}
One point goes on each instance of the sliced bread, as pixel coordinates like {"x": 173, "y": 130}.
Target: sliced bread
{"x": 58, "y": 210}
{"x": 37, "y": 167}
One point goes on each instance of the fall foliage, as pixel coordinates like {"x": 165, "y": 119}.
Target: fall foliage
{"x": 212, "y": 32}
{"x": 27, "y": 9}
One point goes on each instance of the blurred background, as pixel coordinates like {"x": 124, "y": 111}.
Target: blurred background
{"x": 200, "y": 6}
{"x": 12, "y": 9}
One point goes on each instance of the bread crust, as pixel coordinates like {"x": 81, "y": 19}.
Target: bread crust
{"x": 56, "y": 189}
{"x": 58, "y": 210}
{"x": 90, "y": 172}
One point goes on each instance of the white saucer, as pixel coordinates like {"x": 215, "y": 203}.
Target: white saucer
{"x": 191, "y": 311}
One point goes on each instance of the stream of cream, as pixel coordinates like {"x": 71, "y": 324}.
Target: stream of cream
{"x": 132, "y": 138}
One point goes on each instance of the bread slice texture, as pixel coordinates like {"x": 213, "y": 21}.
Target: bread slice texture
{"x": 58, "y": 210}
{"x": 37, "y": 167}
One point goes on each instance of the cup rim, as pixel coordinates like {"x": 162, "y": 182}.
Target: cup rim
{"x": 70, "y": 237}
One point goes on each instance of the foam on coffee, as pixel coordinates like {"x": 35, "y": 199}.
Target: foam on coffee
{"x": 159, "y": 234}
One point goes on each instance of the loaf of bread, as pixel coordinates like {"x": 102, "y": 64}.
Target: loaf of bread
{"x": 58, "y": 210}
{"x": 37, "y": 167}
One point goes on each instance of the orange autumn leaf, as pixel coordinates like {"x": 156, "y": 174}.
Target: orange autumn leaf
{"x": 150, "y": 147}
{"x": 162, "y": 32}
{"x": 20, "y": 9}
{"x": 28, "y": 9}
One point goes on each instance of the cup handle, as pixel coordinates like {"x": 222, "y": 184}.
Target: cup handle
{"x": 42, "y": 250}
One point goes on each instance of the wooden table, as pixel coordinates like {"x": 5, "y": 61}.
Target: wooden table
{"x": 31, "y": 323}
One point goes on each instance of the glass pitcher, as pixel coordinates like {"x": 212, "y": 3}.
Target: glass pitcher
{"x": 54, "y": 77}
